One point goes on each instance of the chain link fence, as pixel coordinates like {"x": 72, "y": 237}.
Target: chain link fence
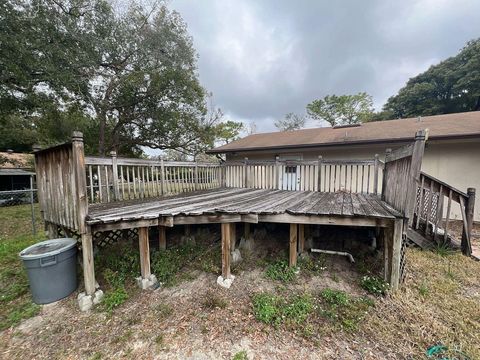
{"x": 20, "y": 197}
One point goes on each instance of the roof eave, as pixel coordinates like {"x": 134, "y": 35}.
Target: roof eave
{"x": 341, "y": 143}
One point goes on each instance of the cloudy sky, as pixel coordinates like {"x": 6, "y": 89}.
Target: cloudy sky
{"x": 264, "y": 58}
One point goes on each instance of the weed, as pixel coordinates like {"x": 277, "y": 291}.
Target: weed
{"x": 241, "y": 355}
{"x": 280, "y": 270}
{"x": 335, "y": 297}
{"x": 423, "y": 289}
{"x": 163, "y": 311}
{"x": 443, "y": 249}
{"x": 159, "y": 340}
{"x": 449, "y": 273}
{"x": 213, "y": 301}
{"x": 313, "y": 266}
{"x": 265, "y": 308}
{"x": 23, "y": 311}
{"x": 114, "y": 299}
{"x": 374, "y": 285}
{"x": 343, "y": 310}
{"x": 96, "y": 356}
{"x": 275, "y": 310}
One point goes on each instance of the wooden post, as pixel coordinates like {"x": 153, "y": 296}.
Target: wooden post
{"x": 301, "y": 238}
{"x": 415, "y": 167}
{"x": 468, "y": 222}
{"x": 162, "y": 176}
{"x": 233, "y": 236}
{"x": 82, "y": 210}
{"x": 293, "y": 245}
{"x": 246, "y": 233}
{"x": 144, "y": 252}
{"x": 375, "y": 175}
{"x": 116, "y": 190}
{"x": 394, "y": 241}
{"x": 385, "y": 172}
{"x": 319, "y": 173}
{"x": 226, "y": 233}
{"x": 162, "y": 237}
{"x": 88, "y": 263}
{"x": 195, "y": 185}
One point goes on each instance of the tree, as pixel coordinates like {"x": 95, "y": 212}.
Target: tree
{"x": 129, "y": 78}
{"x": 228, "y": 131}
{"x": 343, "y": 109}
{"x": 290, "y": 122}
{"x": 451, "y": 86}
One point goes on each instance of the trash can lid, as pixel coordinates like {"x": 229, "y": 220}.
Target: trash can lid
{"x": 47, "y": 248}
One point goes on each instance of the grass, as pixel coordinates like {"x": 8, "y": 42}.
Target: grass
{"x": 241, "y": 355}
{"x": 15, "y": 235}
{"x": 375, "y": 285}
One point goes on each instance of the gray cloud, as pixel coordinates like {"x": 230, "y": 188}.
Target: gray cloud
{"x": 262, "y": 59}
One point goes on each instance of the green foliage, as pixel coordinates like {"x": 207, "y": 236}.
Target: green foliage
{"x": 374, "y": 285}
{"x": 280, "y": 270}
{"x": 241, "y": 355}
{"x": 290, "y": 122}
{"x": 443, "y": 250}
{"x": 229, "y": 131}
{"x": 342, "y": 309}
{"x": 114, "y": 298}
{"x": 451, "y": 86}
{"x": 312, "y": 265}
{"x": 275, "y": 310}
{"x": 166, "y": 264}
{"x": 343, "y": 109}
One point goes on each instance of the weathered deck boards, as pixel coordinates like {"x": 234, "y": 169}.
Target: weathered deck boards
{"x": 243, "y": 201}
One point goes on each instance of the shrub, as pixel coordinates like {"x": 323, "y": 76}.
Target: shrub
{"x": 374, "y": 285}
{"x": 280, "y": 270}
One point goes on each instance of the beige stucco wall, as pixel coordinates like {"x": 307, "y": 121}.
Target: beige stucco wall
{"x": 455, "y": 162}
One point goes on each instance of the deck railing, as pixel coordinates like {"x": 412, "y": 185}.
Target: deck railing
{"x": 432, "y": 217}
{"x": 116, "y": 178}
{"x": 359, "y": 176}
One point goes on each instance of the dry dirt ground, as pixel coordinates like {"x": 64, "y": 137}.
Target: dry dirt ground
{"x": 439, "y": 303}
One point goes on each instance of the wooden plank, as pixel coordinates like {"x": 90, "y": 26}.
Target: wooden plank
{"x": 144, "y": 249}
{"x": 80, "y": 181}
{"x": 292, "y": 260}
{"x": 400, "y": 153}
{"x": 347, "y": 207}
{"x": 323, "y": 220}
{"x": 226, "y": 233}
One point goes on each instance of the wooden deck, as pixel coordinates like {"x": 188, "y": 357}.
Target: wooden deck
{"x": 245, "y": 205}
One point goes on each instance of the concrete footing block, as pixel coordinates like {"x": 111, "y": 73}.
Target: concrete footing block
{"x": 226, "y": 283}
{"x": 236, "y": 256}
{"x": 246, "y": 244}
{"x": 147, "y": 283}
{"x": 86, "y": 302}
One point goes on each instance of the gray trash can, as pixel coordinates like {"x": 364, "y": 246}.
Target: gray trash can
{"x": 52, "y": 269}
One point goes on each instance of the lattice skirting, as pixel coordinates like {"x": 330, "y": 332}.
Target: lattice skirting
{"x": 102, "y": 239}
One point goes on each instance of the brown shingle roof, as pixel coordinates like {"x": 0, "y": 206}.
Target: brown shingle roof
{"x": 449, "y": 126}
{"x": 15, "y": 160}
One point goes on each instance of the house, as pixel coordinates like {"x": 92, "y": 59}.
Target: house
{"x": 452, "y": 154}
{"x": 14, "y": 179}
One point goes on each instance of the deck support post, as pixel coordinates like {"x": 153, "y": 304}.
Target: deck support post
{"x": 226, "y": 279}
{"x": 301, "y": 238}
{"x": 293, "y": 245}
{"x": 246, "y": 231}
{"x": 147, "y": 279}
{"x": 233, "y": 236}
{"x": 393, "y": 252}
{"x": 88, "y": 267}
{"x": 162, "y": 237}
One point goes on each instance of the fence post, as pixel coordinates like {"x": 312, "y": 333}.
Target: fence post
{"x": 319, "y": 172}
{"x": 245, "y": 173}
{"x": 385, "y": 172}
{"x": 415, "y": 167}
{"x": 116, "y": 190}
{"x": 467, "y": 231}
{"x": 375, "y": 176}
{"x": 196, "y": 176}
{"x": 277, "y": 172}
{"x": 162, "y": 176}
